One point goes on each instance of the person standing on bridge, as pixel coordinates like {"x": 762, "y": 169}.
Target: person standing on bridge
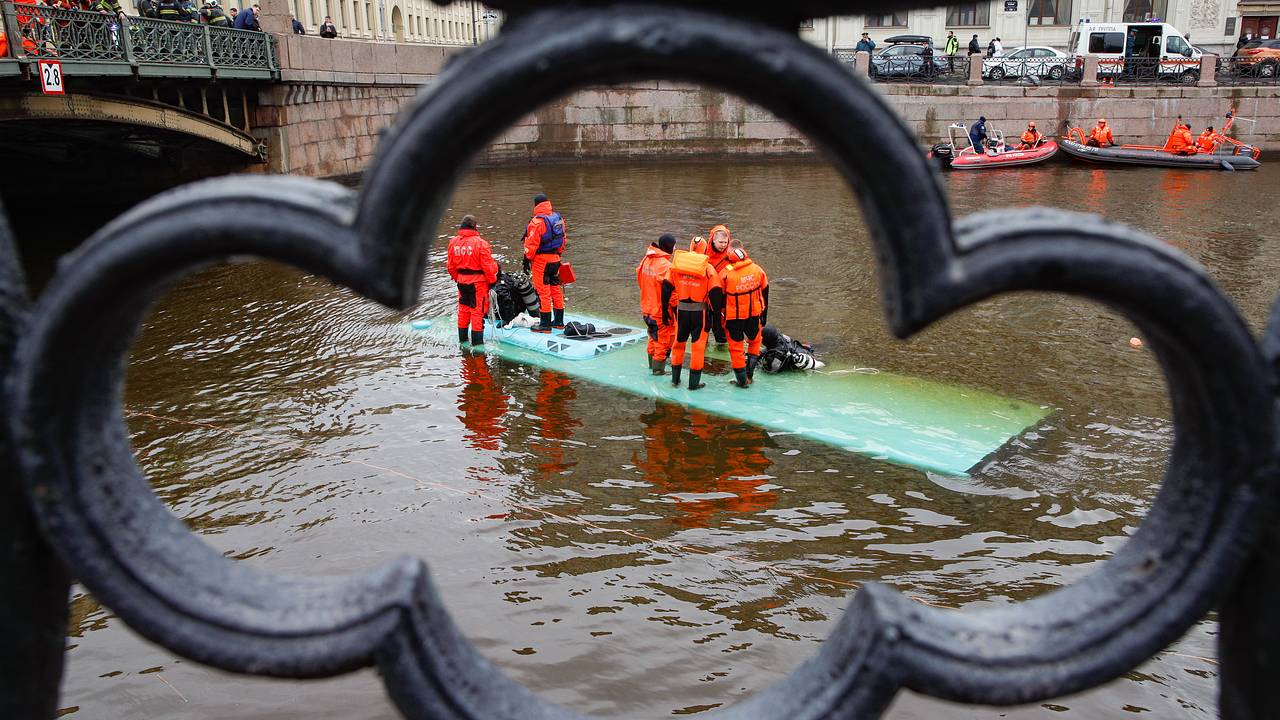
{"x": 471, "y": 265}
{"x": 211, "y": 14}
{"x": 545, "y": 240}
{"x": 327, "y": 29}
{"x": 297, "y": 27}
{"x": 172, "y": 10}
{"x": 247, "y": 19}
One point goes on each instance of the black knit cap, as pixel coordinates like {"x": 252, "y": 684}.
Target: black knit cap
{"x": 539, "y": 199}
{"x": 667, "y": 242}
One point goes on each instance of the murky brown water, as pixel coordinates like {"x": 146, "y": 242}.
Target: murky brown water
{"x": 312, "y": 390}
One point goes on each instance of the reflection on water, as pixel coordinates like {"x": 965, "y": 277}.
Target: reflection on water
{"x": 630, "y": 558}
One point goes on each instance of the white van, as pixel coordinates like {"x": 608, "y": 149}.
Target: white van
{"x": 1148, "y": 49}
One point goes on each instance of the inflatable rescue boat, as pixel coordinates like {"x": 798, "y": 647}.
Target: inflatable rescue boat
{"x": 964, "y": 156}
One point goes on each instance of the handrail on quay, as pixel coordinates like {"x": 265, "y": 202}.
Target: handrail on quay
{"x": 93, "y": 43}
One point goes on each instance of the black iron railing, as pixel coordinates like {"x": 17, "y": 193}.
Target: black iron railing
{"x": 1031, "y": 71}
{"x": 1248, "y": 70}
{"x": 1200, "y": 547}
{"x": 91, "y": 43}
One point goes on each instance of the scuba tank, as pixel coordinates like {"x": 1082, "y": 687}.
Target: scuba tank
{"x": 526, "y": 293}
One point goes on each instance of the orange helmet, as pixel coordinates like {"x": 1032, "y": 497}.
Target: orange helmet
{"x": 1102, "y": 121}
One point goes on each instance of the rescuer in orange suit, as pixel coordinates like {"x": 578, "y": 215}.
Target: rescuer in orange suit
{"x": 545, "y": 240}
{"x": 718, "y": 254}
{"x": 649, "y": 274}
{"x": 1180, "y": 141}
{"x": 1100, "y": 135}
{"x": 1207, "y": 142}
{"x": 690, "y": 285}
{"x": 472, "y": 267}
{"x": 1031, "y": 139}
{"x": 745, "y": 294}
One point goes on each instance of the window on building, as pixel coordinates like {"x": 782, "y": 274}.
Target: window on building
{"x": 892, "y": 20}
{"x": 806, "y": 24}
{"x": 1144, "y": 10}
{"x": 1231, "y": 27}
{"x": 1106, "y": 43}
{"x": 1049, "y": 12}
{"x": 969, "y": 15}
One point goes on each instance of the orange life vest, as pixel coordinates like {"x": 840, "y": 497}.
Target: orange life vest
{"x": 1206, "y": 141}
{"x": 692, "y": 275}
{"x": 1101, "y": 134}
{"x": 743, "y": 283}
{"x": 653, "y": 268}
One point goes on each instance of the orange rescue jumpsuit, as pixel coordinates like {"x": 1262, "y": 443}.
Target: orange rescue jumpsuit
{"x": 650, "y": 274}
{"x": 1030, "y": 139}
{"x": 545, "y": 240}
{"x": 691, "y": 282}
{"x": 1206, "y": 142}
{"x": 1100, "y": 136}
{"x": 746, "y": 308}
{"x": 1180, "y": 141}
{"x": 472, "y": 267}
{"x": 718, "y": 260}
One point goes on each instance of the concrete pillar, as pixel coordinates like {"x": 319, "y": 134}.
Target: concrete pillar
{"x": 1090, "y": 76}
{"x": 1208, "y": 71}
{"x": 975, "y": 70}
{"x": 862, "y": 63}
{"x": 273, "y": 15}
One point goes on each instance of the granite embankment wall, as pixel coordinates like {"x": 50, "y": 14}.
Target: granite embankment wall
{"x": 325, "y": 118}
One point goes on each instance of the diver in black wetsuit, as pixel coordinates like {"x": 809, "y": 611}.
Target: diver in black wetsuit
{"x": 781, "y": 353}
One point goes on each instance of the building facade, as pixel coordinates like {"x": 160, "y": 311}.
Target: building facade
{"x": 463, "y": 22}
{"x": 1213, "y": 25}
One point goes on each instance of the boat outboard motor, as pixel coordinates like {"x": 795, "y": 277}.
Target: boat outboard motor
{"x": 943, "y": 154}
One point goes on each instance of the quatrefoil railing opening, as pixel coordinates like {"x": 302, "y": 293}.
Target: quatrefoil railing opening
{"x": 95, "y": 507}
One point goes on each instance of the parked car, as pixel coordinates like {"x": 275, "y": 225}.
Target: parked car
{"x": 1037, "y": 60}
{"x": 1259, "y": 57}
{"x": 904, "y": 57}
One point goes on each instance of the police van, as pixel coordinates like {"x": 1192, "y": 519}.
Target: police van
{"x": 1145, "y": 50}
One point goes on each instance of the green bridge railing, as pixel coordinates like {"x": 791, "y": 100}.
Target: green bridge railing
{"x": 91, "y": 43}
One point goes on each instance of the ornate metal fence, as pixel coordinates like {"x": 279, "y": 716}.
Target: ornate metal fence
{"x": 93, "y": 43}
{"x": 66, "y": 443}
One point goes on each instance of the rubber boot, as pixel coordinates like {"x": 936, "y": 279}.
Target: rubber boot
{"x": 740, "y": 378}
{"x": 695, "y": 380}
{"x": 544, "y": 326}
{"x": 675, "y": 375}
{"x": 557, "y": 321}
{"x": 658, "y": 367}
{"x": 477, "y": 338}
{"x": 752, "y": 362}
{"x": 463, "y": 334}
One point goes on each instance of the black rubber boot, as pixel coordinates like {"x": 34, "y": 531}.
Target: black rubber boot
{"x": 752, "y": 362}
{"x": 463, "y": 335}
{"x": 658, "y": 367}
{"x": 557, "y": 320}
{"x": 695, "y": 380}
{"x": 675, "y": 374}
{"x": 477, "y": 338}
{"x": 740, "y": 378}
{"x": 545, "y": 325}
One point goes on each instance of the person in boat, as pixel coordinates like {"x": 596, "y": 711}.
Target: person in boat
{"x": 691, "y": 284}
{"x": 745, "y": 294}
{"x": 1207, "y": 142}
{"x": 978, "y": 134}
{"x": 471, "y": 265}
{"x": 650, "y": 273}
{"x": 782, "y": 353}
{"x": 545, "y": 240}
{"x": 1100, "y": 136}
{"x": 1180, "y": 141}
{"x": 1031, "y": 137}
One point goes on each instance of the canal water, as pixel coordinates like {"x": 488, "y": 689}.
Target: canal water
{"x": 304, "y": 430}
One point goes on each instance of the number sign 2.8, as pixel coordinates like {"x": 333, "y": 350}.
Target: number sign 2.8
{"x": 51, "y": 77}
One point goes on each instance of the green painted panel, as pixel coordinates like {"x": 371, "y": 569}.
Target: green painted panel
{"x": 899, "y": 419}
